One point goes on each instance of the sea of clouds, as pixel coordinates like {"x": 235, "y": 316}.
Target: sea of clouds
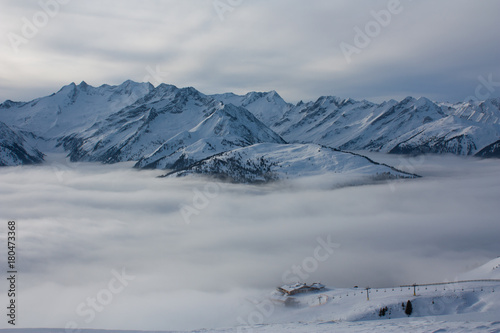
{"x": 108, "y": 246}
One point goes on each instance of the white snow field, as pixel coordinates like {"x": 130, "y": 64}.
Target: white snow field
{"x": 433, "y": 324}
{"x": 108, "y": 248}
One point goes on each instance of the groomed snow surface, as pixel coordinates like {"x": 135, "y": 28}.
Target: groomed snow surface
{"x": 440, "y": 324}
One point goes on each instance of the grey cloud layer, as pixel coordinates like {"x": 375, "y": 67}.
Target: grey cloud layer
{"x": 432, "y": 49}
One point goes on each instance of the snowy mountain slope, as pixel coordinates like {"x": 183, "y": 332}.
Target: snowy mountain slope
{"x": 487, "y": 111}
{"x": 15, "y": 150}
{"x": 491, "y": 150}
{"x": 268, "y": 107}
{"x": 72, "y": 109}
{"x": 329, "y": 120}
{"x": 138, "y": 130}
{"x": 467, "y": 299}
{"x": 269, "y": 162}
{"x": 473, "y": 300}
{"x": 226, "y": 128}
{"x": 410, "y": 126}
{"x": 490, "y": 270}
{"x": 446, "y": 135}
{"x": 468, "y": 128}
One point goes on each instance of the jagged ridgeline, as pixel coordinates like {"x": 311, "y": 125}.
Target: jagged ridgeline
{"x": 181, "y": 128}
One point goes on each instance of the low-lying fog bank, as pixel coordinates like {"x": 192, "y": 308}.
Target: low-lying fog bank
{"x": 107, "y": 246}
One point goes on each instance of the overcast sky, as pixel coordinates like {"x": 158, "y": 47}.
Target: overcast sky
{"x": 427, "y": 48}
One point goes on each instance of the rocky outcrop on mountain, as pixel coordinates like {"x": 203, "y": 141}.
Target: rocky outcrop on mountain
{"x": 15, "y": 150}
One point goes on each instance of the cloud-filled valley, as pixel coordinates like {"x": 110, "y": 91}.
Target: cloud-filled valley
{"x": 79, "y": 222}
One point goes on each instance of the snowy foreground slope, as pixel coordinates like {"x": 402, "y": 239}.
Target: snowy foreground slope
{"x": 433, "y": 324}
{"x": 468, "y": 306}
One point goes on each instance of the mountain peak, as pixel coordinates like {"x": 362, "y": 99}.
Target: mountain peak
{"x": 8, "y": 104}
{"x": 165, "y": 88}
{"x": 273, "y": 93}
{"x": 70, "y": 86}
{"x": 191, "y": 91}
{"x": 129, "y": 82}
{"x": 328, "y": 100}
{"x": 424, "y": 100}
{"x": 408, "y": 99}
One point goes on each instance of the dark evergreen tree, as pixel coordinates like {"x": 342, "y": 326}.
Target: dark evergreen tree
{"x": 409, "y": 308}
{"x": 382, "y": 311}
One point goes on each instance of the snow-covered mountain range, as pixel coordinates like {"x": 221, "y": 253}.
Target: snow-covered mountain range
{"x": 177, "y": 128}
